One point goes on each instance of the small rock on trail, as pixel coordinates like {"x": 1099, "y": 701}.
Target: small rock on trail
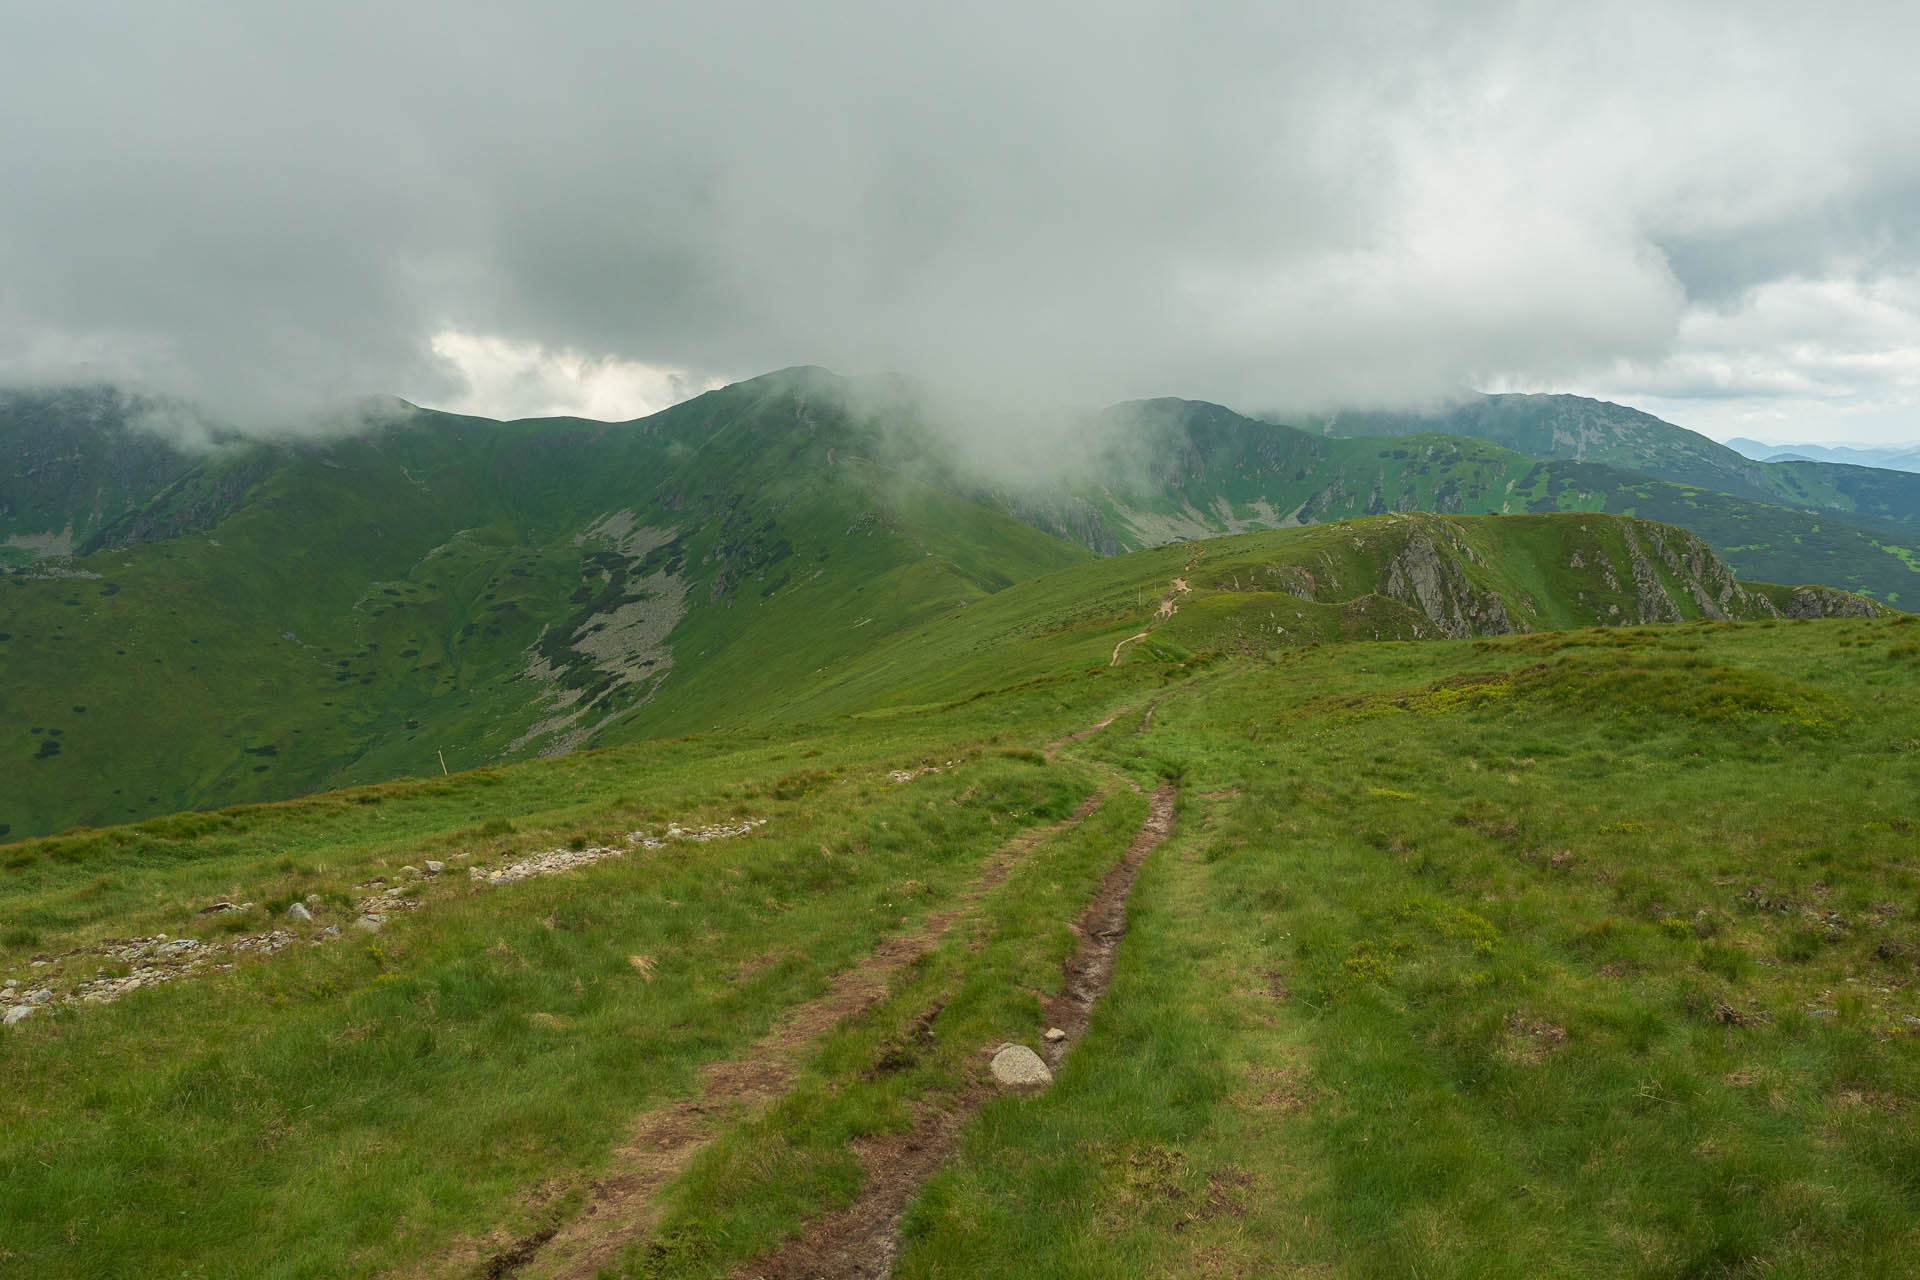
{"x": 1018, "y": 1067}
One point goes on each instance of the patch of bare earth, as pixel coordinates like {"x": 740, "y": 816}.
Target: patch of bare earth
{"x": 862, "y": 1239}
{"x": 1052, "y": 749}
{"x": 1101, "y": 926}
{"x": 620, "y": 1204}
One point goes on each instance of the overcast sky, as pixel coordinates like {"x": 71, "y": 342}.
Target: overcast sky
{"x": 1708, "y": 210}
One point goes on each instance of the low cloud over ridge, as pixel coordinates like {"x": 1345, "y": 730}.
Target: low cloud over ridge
{"x": 1269, "y": 206}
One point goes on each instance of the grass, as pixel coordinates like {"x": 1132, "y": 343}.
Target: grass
{"x": 364, "y": 1101}
{"x": 1545, "y": 953}
{"x": 1508, "y": 988}
{"x": 305, "y": 617}
{"x": 916, "y": 1051}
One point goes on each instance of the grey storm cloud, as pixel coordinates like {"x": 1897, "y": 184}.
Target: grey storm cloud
{"x": 1273, "y": 205}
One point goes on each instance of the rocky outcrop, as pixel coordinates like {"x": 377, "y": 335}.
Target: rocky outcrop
{"x": 1825, "y": 602}
{"x": 1421, "y": 578}
{"x": 1707, "y": 578}
{"x": 1650, "y": 598}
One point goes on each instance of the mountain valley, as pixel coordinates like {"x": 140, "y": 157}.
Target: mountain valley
{"x": 751, "y": 841}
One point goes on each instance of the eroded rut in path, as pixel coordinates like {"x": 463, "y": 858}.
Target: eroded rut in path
{"x": 619, "y": 1209}
{"x": 862, "y": 1240}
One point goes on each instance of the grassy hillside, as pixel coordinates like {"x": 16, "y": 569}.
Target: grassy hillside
{"x": 286, "y": 617}
{"x": 1407, "y": 577}
{"x": 1539, "y": 952}
{"x": 1166, "y": 469}
{"x": 1575, "y": 428}
{"x": 440, "y": 592}
{"x": 74, "y": 462}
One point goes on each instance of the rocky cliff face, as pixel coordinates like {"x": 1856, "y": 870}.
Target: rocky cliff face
{"x": 1420, "y": 578}
{"x": 1493, "y": 575}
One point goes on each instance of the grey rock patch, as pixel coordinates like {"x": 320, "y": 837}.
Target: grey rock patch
{"x": 299, "y": 914}
{"x": 434, "y": 867}
{"x": 367, "y": 924}
{"x": 1018, "y": 1067}
{"x": 39, "y": 997}
{"x": 1055, "y": 1035}
{"x": 18, "y": 1013}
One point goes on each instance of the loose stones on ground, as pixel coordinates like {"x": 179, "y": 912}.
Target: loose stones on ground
{"x": 158, "y": 959}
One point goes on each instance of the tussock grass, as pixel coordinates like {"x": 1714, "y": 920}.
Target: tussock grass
{"x": 338, "y": 1109}
{"x": 1608, "y": 971}
{"x": 1521, "y": 986}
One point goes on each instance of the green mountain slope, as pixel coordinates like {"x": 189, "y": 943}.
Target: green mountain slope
{"x": 1401, "y": 577}
{"x": 1492, "y": 953}
{"x": 286, "y": 617}
{"x": 438, "y": 591}
{"x": 1165, "y": 469}
{"x": 1578, "y": 429}
{"x": 74, "y": 462}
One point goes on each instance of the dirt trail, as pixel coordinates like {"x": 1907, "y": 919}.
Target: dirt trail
{"x": 1090, "y": 968}
{"x": 862, "y": 1240}
{"x": 620, "y": 1204}
{"x": 1168, "y": 605}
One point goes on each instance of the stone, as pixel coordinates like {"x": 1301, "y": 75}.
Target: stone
{"x": 1823, "y": 1013}
{"x": 434, "y": 868}
{"x": 16, "y": 1014}
{"x": 367, "y": 924}
{"x": 13, "y": 982}
{"x": 299, "y": 914}
{"x": 332, "y": 931}
{"x": 40, "y": 997}
{"x": 1056, "y": 1035}
{"x": 1019, "y": 1067}
{"x": 409, "y": 871}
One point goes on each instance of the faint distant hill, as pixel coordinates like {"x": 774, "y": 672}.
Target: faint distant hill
{"x": 1898, "y": 457}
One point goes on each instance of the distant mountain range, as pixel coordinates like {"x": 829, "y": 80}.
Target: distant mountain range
{"x": 1899, "y": 457}
{"x": 185, "y": 630}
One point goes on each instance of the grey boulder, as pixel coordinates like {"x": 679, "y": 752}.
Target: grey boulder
{"x": 1017, "y": 1067}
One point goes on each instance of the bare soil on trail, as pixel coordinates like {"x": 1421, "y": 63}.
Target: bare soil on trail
{"x": 1167, "y": 606}
{"x": 862, "y": 1240}
{"x": 1101, "y": 926}
{"x": 620, "y": 1205}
